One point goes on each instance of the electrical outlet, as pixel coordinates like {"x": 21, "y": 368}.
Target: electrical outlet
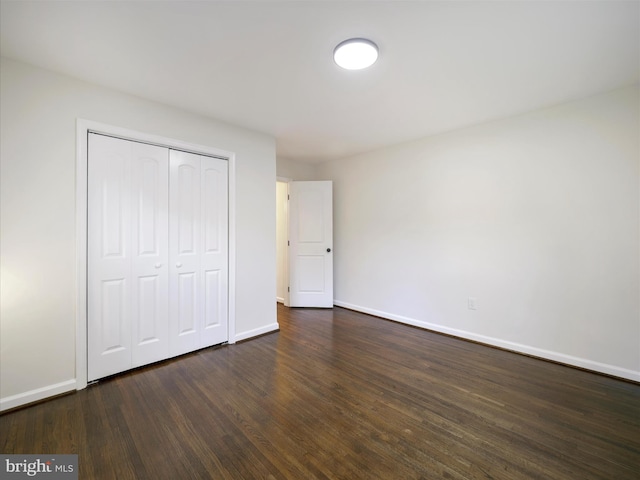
{"x": 472, "y": 303}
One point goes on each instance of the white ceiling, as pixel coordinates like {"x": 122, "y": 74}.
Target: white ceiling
{"x": 268, "y": 65}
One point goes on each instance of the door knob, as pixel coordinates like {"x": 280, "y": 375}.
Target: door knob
{"x": 157, "y": 265}
{"x": 328, "y": 250}
{"x": 178, "y": 265}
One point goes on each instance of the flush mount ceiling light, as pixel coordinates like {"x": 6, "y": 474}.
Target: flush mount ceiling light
{"x": 355, "y": 53}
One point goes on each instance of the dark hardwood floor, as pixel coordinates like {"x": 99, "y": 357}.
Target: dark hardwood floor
{"x": 340, "y": 395}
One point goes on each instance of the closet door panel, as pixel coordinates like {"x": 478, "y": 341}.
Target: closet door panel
{"x": 108, "y": 257}
{"x": 150, "y": 257}
{"x": 127, "y": 255}
{"x": 185, "y": 279}
{"x": 214, "y": 192}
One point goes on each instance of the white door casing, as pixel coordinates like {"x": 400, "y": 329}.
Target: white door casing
{"x": 157, "y": 253}
{"x": 311, "y": 244}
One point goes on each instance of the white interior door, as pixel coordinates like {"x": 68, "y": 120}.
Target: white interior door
{"x": 311, "y": 244}
{"x": 198, "y": 251}
{"x": 127, "y": 255}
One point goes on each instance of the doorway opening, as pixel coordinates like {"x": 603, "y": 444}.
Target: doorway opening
{"x": 282, "y": 238}
{"x": 304, "y": 239}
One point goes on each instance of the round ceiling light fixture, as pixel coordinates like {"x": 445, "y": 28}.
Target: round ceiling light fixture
{"x": 355, "y": 53}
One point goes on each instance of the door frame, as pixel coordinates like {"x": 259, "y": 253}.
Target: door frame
{"x": 83, "y": 127}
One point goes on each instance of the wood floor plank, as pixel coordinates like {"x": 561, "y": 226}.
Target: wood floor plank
{"x": 336, "y": 394}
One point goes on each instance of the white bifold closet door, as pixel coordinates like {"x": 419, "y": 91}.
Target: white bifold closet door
{"x": 157, "y": 254}
{"x": 198, "y": 256}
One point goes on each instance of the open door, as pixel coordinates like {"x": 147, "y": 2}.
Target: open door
{"x": 311, "y": 244}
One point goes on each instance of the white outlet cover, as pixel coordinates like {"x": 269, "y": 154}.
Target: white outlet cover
{"x": 473, "y": 303}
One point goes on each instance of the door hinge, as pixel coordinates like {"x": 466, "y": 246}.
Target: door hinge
{"x": 288, "y": 289}
{"x": 288, "y": 197}
{"x": 288, "y": 243}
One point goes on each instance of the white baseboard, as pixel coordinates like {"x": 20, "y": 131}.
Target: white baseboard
{"x": 37, "y": 394}
{"x": 279, "y": 299}
{"x": 496, "y": 342}
{"x": 257, "y": 331}
{"x": 31, "y": 396}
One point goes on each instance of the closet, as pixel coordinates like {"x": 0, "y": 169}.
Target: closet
{"x": 157, "y": 253}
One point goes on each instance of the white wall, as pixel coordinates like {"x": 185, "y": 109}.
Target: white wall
{"x": 536, "y": 216}
{"x": 38, "y": 112}
{"x": 294, "y": 170}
